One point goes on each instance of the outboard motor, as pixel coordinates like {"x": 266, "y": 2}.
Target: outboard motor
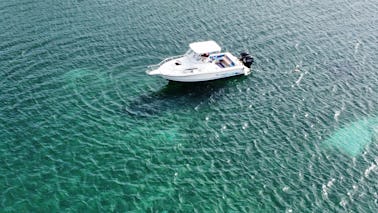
{"x": 246, "y": 59}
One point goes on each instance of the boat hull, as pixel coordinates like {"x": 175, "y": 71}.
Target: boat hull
{"x": 208, "y": 76}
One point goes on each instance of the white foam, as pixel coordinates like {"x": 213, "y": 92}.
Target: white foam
{"x": 296, "y": 69}
{"x": 330, "y": 183}
{"x": 299, "y": 79}
{"x": 324, "y": 190}
{"x": 356, "y": 46}
{"x": 368, "y": 170}
{"x": 326, "y": 187}
{"x": 334, "y": 88}
{"x": 337, "y": 114}
{"x": 343, "y": 202}
{"x": 300, "y": 174}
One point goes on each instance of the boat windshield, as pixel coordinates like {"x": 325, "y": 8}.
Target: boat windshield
{"x": 190, "y": 53}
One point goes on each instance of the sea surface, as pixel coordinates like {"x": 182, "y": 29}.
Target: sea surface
{"x": 83, "y": 128}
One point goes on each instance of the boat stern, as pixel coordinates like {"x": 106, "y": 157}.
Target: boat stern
{"x": 246, "y": 70}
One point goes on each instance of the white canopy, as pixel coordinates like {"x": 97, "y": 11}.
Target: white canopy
{"x": 205, "y": 47}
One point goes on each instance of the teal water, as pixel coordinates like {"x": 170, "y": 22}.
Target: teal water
{"x": 83, "y": 128}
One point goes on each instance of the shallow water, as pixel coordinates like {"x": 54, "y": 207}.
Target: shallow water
{"x": 83, "y": 127}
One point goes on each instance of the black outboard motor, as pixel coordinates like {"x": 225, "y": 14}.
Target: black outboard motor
{"x": 246, "y": 59}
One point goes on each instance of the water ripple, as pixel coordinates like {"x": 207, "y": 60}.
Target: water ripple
{"x": 83, "y": 127}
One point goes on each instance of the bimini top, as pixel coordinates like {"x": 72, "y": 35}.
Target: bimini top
{"x": 205, "y": 47}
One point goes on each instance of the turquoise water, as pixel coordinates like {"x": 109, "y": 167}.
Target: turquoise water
{"x": 354, "y": 137}
{"x": 83, "y": 128}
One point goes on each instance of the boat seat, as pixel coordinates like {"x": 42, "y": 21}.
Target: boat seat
{"x": 228, "y": 61}
{"x": 219, "y": 63}
{"x": 225, "y": 62}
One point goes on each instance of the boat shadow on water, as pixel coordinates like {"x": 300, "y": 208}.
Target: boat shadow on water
{"x": 178, "y": 96}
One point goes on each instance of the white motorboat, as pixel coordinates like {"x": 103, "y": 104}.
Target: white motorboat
{"x": 203, "y": 61}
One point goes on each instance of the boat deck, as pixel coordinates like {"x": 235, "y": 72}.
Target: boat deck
{"x": 223, "y": 61}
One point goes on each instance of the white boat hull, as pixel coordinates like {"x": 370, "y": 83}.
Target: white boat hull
{"x": 208, "y": 76}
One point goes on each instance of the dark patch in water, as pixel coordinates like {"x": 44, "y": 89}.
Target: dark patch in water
{"x": 177, "y": 96}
